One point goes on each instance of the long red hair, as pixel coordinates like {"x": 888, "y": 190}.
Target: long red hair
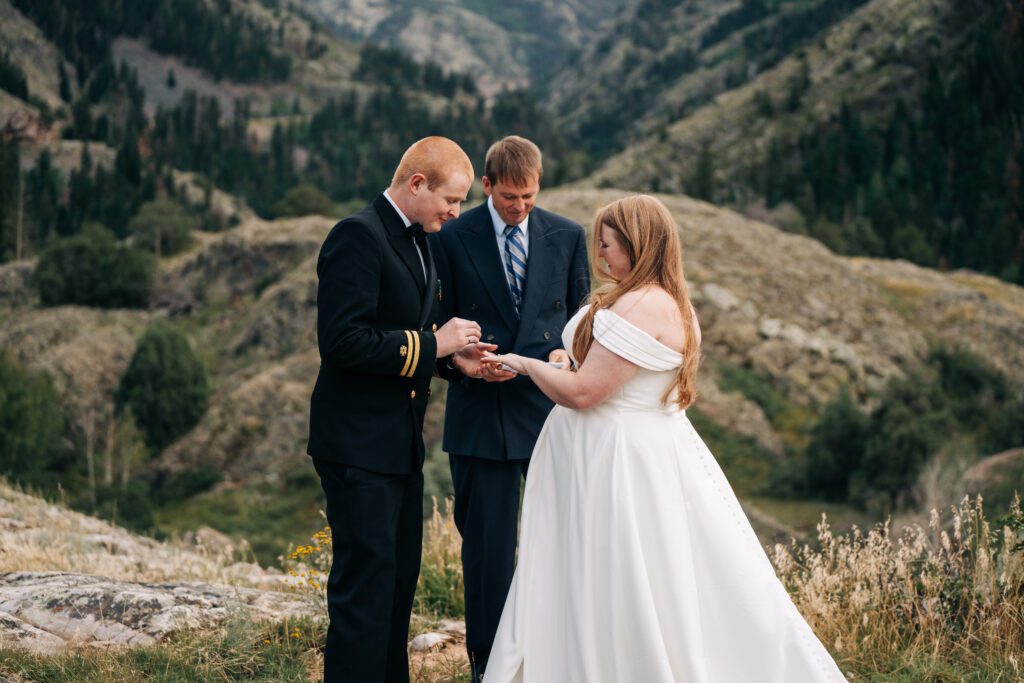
{"x": 649, "y": 234}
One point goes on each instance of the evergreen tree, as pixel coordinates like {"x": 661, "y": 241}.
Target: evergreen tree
{"x": 92, "y": 269}
{"x": 703, "y": 183}
{"x": 836, "y": 448}
{"x": 162, "y": 227}
{"x": 31, "y": 425}
{"x": 165, "y": 386}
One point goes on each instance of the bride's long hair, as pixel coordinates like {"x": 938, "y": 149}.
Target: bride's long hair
{"x": 648, "y": 233}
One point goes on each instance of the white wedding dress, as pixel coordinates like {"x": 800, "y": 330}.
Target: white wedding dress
{"x": 636, "y": 562}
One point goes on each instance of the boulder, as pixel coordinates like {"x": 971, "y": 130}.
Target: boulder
{"x": 49, "y": 610}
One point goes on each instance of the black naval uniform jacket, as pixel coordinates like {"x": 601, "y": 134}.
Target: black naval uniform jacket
{"x": 376, "y": 318}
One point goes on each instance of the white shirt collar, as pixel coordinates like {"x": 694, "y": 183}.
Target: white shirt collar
{"x": 401, "y": 215}
{"x": 499, "y": 224}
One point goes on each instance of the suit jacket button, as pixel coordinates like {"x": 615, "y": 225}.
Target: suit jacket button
{"x": 473, "y": 307}
{"x": 412, "y": 394}
{"x": 490, "y": 337}
{"x": 558, "y": 305}
{"x": 433, "y": 328}
{"x": 547, "y": 335}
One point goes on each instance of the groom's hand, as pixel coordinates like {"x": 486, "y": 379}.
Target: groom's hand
{"x": 455, "y": 334}
{"x": 470, "y": 362}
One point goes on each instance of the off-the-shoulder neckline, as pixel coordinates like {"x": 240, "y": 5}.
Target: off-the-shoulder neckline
{"x": 640, "y": 331}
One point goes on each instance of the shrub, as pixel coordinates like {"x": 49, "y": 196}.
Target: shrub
{"x": 31, "y": 426}
{"x": 879, "y": 457}
{"x": 164, "y": 220}
{"x": 165, "y": 386}
{"x": 837, "y": 447}
{"x": 188, "y": 483}
{"x": 303, "y": 200}
{"x": 93, "y": 269}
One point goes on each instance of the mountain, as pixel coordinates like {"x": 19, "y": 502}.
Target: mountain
{"x": 780, "y": 308}
{"x": 509, "y": 45}
{"x": 882, "y": 127}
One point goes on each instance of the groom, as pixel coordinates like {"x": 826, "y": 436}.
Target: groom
{"x": 521, "y": 273}
{"x": 377, "y": 303}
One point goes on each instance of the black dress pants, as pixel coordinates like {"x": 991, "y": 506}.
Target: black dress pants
{"x": 487, "y": 515}
{"x": 377, "y": 530}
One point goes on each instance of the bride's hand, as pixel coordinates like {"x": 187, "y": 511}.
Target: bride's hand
{"x": 516, "y": 362}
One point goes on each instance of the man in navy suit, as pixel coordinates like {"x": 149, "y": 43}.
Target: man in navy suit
{"x": 520, "y": 272}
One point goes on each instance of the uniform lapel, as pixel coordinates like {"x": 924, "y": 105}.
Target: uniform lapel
{"x": 400, "y": 241}
{"x": 430, "y": 291}
{"x": 482, "y": 247}
{"x": 538, "y": 262}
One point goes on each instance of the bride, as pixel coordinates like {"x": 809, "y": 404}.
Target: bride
{"x": 636, "y": 562}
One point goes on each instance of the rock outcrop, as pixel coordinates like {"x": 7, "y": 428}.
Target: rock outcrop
{"x": 46, "y": 611}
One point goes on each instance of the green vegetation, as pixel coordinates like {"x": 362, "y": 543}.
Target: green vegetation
{"x": 877, "y": 457}
{"x": 31, "y": 425}
{"x": 12, "y": 78}
{"x": 268, "y": 516}
{"x": 303, "y": 200}
{"x": 162, "y": 226}
{"x": 243, "y": 651}
{"x": 220, "y": 39}
{"x": 935, "y": 180}
{"x": 165, "y": 386}
{"x": 93, "y": 269}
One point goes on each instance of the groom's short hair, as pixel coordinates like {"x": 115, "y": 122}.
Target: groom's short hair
{"x": 437, "y": 158}
{"x": 513, "y": 160}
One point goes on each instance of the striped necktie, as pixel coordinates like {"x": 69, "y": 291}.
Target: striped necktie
{"x": 515, "y": 264}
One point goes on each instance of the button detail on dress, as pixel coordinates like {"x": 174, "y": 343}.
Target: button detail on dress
{"x": 412, "y": 394}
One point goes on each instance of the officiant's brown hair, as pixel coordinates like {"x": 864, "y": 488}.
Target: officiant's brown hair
{"x": 513, "y": 160}
{"x": 647, "y": 232}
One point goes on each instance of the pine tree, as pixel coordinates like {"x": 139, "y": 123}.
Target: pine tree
{"x": 165, "y": 386}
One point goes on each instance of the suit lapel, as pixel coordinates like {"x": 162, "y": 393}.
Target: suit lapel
{"x": 538, "y": 262}
{"x": 482, "y": 247}
{"x": 400, "y": 242}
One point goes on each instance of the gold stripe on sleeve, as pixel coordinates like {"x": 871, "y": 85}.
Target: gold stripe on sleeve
{"x": 415, "y": 353}
{"x": 408, "y": 356}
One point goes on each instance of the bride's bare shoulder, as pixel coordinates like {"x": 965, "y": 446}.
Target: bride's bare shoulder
{"x": 652, "y": 309}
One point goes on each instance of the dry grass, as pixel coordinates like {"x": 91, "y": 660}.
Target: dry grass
{"x": 942, "y": 601}
{"x": 38, "y": 536}
{"x": 932, "y": 599}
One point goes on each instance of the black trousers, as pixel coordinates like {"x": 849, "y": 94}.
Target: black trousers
{"x": 377, "y": 529}
{"x": 487, "y": 515}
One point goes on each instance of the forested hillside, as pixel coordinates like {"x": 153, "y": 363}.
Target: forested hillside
{"x": 892, "y": 128}
{"x": 321, "y": 147}
{"x": 502, "y": 45}
{"x": 157, "y": 287}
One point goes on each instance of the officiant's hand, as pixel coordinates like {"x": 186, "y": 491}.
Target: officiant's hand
{"x": 469, "y": 360}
